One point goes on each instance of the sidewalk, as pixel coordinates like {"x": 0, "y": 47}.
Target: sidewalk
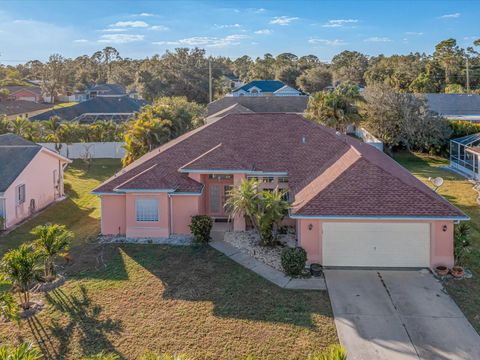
{"x": 265, "y": 271}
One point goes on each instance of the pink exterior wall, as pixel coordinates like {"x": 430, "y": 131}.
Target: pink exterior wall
{"x": 441, "y": 242}
{"x": 113, "y": 215}
{"x": 160, "y": 228}
{"x": 39, "y": 186}
{"x": 184, "y": 207}
{"x": 25, "y": 94}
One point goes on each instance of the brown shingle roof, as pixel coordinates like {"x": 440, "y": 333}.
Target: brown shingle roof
{"x": 294, "y": 104}
{"x": 329, "y": 175}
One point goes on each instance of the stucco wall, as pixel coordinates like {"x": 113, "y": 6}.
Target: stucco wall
{"x": 441, "y": 242}
{"x": 113, "y": 215}
{"x": 184, "y": 207}
{"x": 39, "y": 185}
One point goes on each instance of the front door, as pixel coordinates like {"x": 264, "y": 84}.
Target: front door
{"x": 218, "y": 189}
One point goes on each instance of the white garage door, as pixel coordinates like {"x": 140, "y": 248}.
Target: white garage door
{"x": 376, "y": 244}
{"x": 27, "y": 98}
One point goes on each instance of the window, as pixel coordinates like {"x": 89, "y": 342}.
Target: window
{"x": 283, "y": 180}
{"x": 220, "y": 176}
{"x": 266, "y": 179}
{"x": 286, "y": 196}
{"x": 146, "y": 209}
{"x": 20, "y": 194}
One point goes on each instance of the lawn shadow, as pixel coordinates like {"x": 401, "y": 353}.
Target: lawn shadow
{"x": 98, "y": 169}
{"x": 200, "y": 273}
{"x": 84, "y": 319}
{"x": 96, "y": 261}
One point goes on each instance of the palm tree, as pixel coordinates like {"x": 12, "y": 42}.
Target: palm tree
{"x": 20, "y": 267}
{"x": 8, "y": 307}
{"x": 273, "y": 209}
{"x": 53, "y": 240}
{"x": 243, "y": 200}
{"x": 25, "y": 351}
{"x": 20, "y": 126}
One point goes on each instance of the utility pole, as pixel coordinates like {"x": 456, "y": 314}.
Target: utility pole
{"x": 210, "y": 80}
{"x": 468, "y": 77}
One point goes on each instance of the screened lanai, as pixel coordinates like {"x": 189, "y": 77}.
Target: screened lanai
{"x": 464, "y": 154}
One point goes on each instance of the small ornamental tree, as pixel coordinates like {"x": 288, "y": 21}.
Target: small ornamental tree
{"x": 20, "y": 267}
{"x": 52, "y": 240}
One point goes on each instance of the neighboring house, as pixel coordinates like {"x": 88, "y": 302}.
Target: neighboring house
{"x": 25, "y": 93}
{"x": 13, "y": 108}
{"x": 105, "y": 90}
{"x": 465, "y": 156}
{"x": 118, "y": 109}
{"x": 455, "y": 106}
{"x": 266, "y": 88}
{"x": 281, "y": 104}
{"x": 232, "y": 81}
{"x": 352, "y": 204}
{"x": 31, "y": 178}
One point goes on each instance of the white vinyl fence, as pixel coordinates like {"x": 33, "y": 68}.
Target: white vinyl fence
{"x": 369, "y": 138}
{"x": 93, "y": 150}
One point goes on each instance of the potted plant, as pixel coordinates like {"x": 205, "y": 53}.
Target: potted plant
{"x": 457, "y": 272}
{"x": 441, "y": 270}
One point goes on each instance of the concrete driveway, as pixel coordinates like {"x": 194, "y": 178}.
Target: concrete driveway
{"x": 398, "y": 315}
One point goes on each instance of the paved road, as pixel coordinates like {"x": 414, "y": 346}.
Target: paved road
{"x": 398, "y": 315}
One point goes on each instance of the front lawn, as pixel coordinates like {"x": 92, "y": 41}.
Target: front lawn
{"x": 131, "y": 298}
{"x": 460, "y": 193}
{"x": 128, "y": 299}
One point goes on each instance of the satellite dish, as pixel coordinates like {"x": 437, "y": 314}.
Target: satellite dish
{"x": 437, "y": 182}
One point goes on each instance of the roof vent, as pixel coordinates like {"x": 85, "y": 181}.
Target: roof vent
{"x": 338, "y": 133}
{"x": 304, "y": 139}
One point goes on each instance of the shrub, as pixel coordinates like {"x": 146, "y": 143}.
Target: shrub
{"x": 334, "y": 352}
{"x": 200, "y": 227}
{"x": 461, "y": 241}
{"x": 293, "y": 261}
{"x": 24, "y": 351}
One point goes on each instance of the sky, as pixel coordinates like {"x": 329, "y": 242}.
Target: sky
{"x": 35, "y": 29}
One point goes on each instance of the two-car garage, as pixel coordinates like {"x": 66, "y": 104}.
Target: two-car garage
{"x": 375, "y": 244}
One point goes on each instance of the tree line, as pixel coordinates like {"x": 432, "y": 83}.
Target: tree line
{"x": 184, "y": 72}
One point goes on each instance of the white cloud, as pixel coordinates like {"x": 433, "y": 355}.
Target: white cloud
{"x": 377, "y": 39}
{"x": 206, "y": 41}
{"x": 450, "y": 16}
{"x": 334, "y": 42}
{"x": 159, "y": 27}
{"x": 133, "y": 24}
{"x": 263, "y": 32}
{"x": 283, "y": 20}
{"x": 261, "y": 10}
{"x": 339, "y": 23}
{"x": 80, "y": 41}
{"x": 120, "y": 38}
{"x": 414, "y": 33}
{"x": 227, "y": 26}
{"x": 113, "y": 30}
{"x": 144, "y": 14}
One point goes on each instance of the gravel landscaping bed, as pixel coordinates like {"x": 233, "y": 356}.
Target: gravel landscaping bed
{"x": 171, "y": 240}
{"x": 248, "y": 242}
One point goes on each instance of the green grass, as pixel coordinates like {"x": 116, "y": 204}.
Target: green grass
{"x": 459, "y": 192}
{"x": 80, "y": 212}
{"x": 128, "y": 299}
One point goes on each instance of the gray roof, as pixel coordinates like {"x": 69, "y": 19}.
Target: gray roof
{"x": 454, "y": 104}
{"x": 281, "y": 104}
{"x": 97, "y": 105}
{"x": 13, "y": 107}
{"x": 15, "y": 154}
{"x": 108, "y": 89}
{"x": 14, "y": 88}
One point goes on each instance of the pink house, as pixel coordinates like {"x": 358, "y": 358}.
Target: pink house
{"x": 31, "y": 178}
{"x": 25, "y": 93}
{"x": 352, "y": 205}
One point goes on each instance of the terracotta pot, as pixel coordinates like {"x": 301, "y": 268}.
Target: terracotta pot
{"x": 457, "y": 272}
{"x": 441, "y": 270}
